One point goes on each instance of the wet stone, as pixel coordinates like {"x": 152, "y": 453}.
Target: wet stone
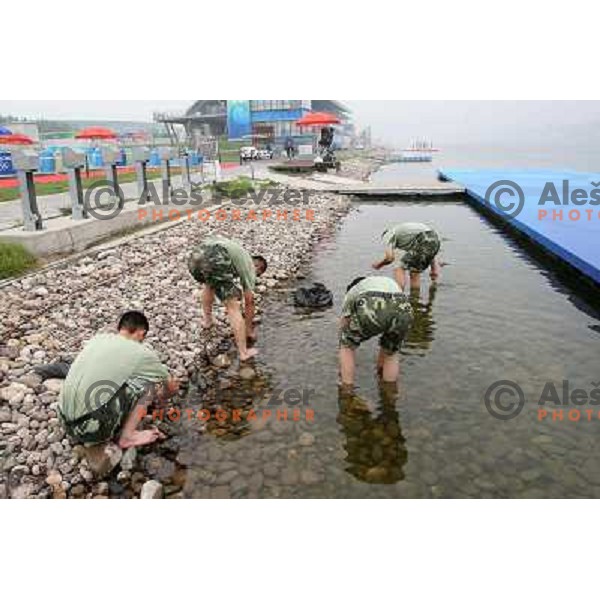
{"x": 271, "y": 470}
{"x": 220, "y": 492}
{"x": 226, "y": 477}
{"x": 151, "y": 490}
{"x": 306, "y": 439}
{"x": 289, "y": 476}
{"x": 238, "y": 485}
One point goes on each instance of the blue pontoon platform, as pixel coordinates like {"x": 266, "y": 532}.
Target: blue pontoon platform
{"x": 560, "y": 210}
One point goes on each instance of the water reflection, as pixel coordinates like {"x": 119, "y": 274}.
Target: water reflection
{"x": 422, "y": 331}
{"x": 236, "y": 403}
{"x": 374, "y": 445}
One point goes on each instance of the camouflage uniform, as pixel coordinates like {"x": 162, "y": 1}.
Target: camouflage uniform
{"x": 103, "y": 423}
{"x": 373, "y": 313}
{"x": 421, "y": 252}
{"x": 211, "y": 264}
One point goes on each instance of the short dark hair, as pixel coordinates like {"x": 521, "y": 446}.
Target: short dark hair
{"x": 262, "y": 260}
{"x": 133, "y": 320}
{"x": 357, "y": 280}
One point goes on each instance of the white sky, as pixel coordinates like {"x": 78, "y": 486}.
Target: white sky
{"x": 394, "y": 121}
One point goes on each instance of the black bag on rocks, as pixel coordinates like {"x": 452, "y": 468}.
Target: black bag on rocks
{"x": 315, "y": 296}
{"x": 57, "y": 370}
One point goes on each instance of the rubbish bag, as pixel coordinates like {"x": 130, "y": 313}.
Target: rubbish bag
{"x": 57, "y": 370}
{"x": 315, "y": 296}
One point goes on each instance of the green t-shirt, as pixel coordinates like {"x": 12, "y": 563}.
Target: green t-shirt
{"x": 376, "y": 283}
{"x": 108, "y": 358}
{"x": 241, "y": 259}
{"x": 401, "y": 236}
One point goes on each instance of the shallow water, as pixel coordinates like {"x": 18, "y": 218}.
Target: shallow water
{"x": 495, "y": 315}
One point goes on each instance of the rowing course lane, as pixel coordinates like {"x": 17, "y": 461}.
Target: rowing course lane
{"x": 560, "y": 210}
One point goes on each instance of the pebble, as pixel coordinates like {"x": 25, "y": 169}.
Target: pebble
{"x": 103, "y": 458}
{"x": 226, "y": 477}
{"x": 53, "y": 385}
{"x": 128, "y": 459}
{"x": 306, "y": 439}
{"x": 247, "y": 373}
{"x": 221, "y": 361}
{"x": 152, "y": 490}
{"x": 220, "y": 492}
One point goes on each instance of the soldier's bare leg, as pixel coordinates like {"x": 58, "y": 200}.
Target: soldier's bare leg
{"x": 130, "y": 436}
{"x": 400, "y": 278}
{"x": 347, "y": 365}
{"x": 435, "y": 269}
{"x": 388, "y": 365}
{"x": 236, "y": 320}
{"x": 208, "y": 299}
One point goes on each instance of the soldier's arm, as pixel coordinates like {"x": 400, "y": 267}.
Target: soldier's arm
{"x": 388, "y": 259}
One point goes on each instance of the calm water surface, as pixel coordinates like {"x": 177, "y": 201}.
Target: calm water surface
{"x": 495, "y": 315}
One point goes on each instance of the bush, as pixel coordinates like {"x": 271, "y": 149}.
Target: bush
{"x": 14, "y": 260}
{"x": 235, "y": 188}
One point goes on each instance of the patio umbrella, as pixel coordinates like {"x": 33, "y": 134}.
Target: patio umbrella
{"x": 5, "y": 131}
{"x": 96, "y": 133}
{"x": 16, "y": 139}
{"x": 318, "y": 119}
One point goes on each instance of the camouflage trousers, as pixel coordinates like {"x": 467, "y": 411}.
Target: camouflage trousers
{"x": 422, "y": 251}
{"x": 378, "y": 313}
{"x": 105, "y": 422}
{"x": 211, "y": 265}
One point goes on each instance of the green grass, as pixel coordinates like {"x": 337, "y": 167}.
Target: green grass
{"x": 234, "y": 188}
{"x": 59, "y": 187}
{"x": 15, "y": 260}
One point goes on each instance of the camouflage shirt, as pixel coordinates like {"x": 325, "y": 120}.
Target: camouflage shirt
{"x": 375, "y": 283}
{"x": 240, "y": 258}
{"x": 401, "y": 236}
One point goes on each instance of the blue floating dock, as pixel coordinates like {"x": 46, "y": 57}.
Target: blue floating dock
{"x": 574, "y": 240}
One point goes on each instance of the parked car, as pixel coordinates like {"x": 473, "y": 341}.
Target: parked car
{"x": 265, "y": 154}
{"x": 248, "y": 153}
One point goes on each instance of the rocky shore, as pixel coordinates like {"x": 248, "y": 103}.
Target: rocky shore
{"x": 48, "y": 316}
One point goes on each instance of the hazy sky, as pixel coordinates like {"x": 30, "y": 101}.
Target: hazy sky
{"x": 393, "y": 121}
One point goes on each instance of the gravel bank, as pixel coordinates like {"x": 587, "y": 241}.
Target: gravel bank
{"x": 48, "y": 316}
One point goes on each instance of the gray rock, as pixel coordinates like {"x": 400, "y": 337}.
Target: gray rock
{"x": 221, "y": 361}
{"x": 103, "y": 458}
{"x": 220, "y": 492}
{"x": 238, "y": 485}
{"x": 128, "y": 459}
{"x": 247, "y": 373}
{"x": 306, "y": 439}
{"x": 226, "y": 477}
{"x": 53, "y": 385}
{"x": 256, "y": 481}
{"x": 271, "y": 470}
{"x": 152, "y": 490}
{"x": 14, "y": 393}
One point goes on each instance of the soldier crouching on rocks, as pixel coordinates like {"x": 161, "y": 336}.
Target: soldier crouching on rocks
{"x": 219, "y": 263}
{"x": 373, "y": 306}
{"x": 111, "y": 384}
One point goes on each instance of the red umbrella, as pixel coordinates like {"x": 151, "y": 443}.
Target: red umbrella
{"x": 16, "y": 139}
{"x": 96, "y": 133}
{"x": 318, "y": 119}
